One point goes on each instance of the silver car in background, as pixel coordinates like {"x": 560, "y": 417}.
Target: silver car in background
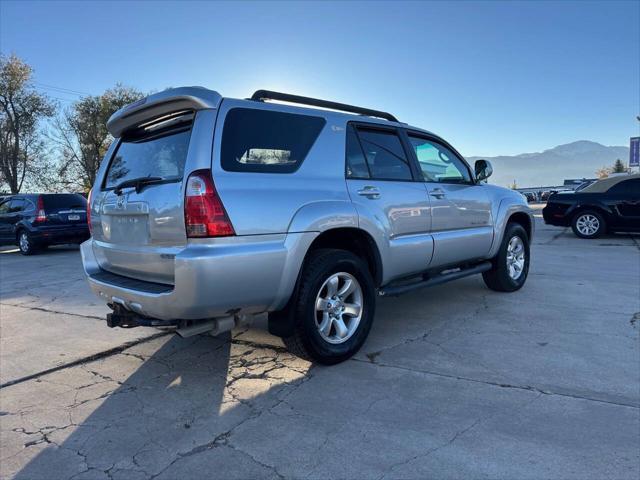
{"x": 208, "y": 210}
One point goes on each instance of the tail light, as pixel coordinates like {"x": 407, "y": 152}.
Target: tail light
{"x": 41, "y": 216}
{"x": 204, "y": 213}
{"x": 89, "y": 210}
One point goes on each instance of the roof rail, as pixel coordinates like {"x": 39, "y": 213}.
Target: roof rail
{"x": 261, "y": 95}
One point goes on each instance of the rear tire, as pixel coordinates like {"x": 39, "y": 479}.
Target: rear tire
{"x": 26, "y": 244}
{"x": 333, "y": 307}
{"x": 511, "y": 264}
{"x": 588, "y": 224}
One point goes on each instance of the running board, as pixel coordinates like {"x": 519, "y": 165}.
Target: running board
{"x": 391, "y": 291}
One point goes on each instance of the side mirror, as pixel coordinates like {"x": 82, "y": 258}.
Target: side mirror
{"x": 483, "y": 170}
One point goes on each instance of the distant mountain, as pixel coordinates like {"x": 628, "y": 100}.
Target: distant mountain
{"x": 573, "y": 160}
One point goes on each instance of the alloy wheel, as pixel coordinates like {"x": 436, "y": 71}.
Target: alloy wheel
{"x": 338, "y": 308}
{"x": 515, "y": 257}
{"x": 24, "y": 242}
{"x": 588, "y": 224}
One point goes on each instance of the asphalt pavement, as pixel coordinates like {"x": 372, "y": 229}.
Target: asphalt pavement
{"x": 455, "y": 381}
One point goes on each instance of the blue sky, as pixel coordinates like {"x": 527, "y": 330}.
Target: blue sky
{"x": 492, "y": 77}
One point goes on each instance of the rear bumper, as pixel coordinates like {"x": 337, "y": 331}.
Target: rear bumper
{"x": 555, "y": 215}
{"x": 61, "y": 235}
{"x": 238, "y": 275}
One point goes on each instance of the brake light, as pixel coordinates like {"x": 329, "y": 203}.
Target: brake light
{"x": 89, "y": 211}
{"x": 41, "y": 216}
{"x": 204, "y": 213}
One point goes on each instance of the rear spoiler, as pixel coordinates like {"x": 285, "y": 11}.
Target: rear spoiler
{"x": 160, "y": 104}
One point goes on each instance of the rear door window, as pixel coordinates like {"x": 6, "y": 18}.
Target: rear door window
{"x": 265, "y": 141}
{"x": 356, "y": 163}
{"x": 160, "y": 155}
{"x": 17, "y": 205}
{"x": 385, "y": 156}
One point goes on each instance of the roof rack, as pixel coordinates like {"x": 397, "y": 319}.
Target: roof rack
{"x": 261, "y": 95}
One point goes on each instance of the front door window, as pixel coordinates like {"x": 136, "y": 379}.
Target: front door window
{"x": 438, "y": 163}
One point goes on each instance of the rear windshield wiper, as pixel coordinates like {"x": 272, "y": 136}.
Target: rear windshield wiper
{"x": 139, "y": 183}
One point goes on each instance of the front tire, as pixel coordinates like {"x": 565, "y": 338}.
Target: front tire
{"x": 511, "y": 264}
{"x": 26, "y": 244}
{"x": 333, "y": 307}
{"x": 588, "y": 224}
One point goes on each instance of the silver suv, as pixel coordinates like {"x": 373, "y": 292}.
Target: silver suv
{"x": 208, "y": 210}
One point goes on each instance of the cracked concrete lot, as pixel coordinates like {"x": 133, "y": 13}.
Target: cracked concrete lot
{"x": 454, "y": 382}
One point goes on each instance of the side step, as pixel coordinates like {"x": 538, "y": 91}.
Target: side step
{"x": 391, "y": 290}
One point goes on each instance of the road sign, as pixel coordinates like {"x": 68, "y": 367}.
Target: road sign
{"x": 634, "y": 152}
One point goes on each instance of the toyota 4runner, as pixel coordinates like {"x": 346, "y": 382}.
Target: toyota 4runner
{"x": 208, "y": 210}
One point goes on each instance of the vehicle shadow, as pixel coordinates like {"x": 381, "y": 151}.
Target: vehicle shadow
{"x": 546, "y": 234}
{"x": 135, "y": 414}
{"x": 13, "y": 250}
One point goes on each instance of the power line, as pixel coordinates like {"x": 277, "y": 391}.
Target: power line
{"x": 69, "y": 100}
{"x": 63, "y": 99}
{"x": 48, "y": 89}
{"x": 62, "y": 89}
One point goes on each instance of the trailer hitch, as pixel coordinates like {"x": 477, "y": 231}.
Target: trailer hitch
{"x": 123, "y": 318}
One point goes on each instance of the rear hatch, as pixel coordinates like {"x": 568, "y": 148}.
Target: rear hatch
{"x": 139, "y": 224}
{"x": 64, "y": 209}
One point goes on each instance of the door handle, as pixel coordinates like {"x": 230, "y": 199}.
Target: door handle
{"x": 369, "y": 192}
{"x": 438, "y": 193}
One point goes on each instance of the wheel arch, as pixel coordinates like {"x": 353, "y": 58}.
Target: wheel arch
{"x": 338, "y": 224}
{"x": 602, "y": 210}
{"x": 524, "y": 220}
{"x": 355, "y": 240}
{"x": 509, "y": 211}
{"x": 18, "y": 230}
{"x": 352, "y": 239}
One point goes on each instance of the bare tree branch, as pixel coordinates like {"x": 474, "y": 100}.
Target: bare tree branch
{"x": 21, "y": 109}
{"x": 81, "y": 136}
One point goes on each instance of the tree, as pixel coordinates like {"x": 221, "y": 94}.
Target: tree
{"x": 21, "y": 109}
{"x": 618, "y": 167}
{"x": 82, "y": 137}
{"x": 602, "y": 173}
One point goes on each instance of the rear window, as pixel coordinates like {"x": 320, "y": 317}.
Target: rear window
{"x": 265, "y": 141}
{"x": 162, "y": 155}
{"x": 64, "y": 200}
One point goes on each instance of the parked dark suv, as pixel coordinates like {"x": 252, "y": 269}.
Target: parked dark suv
{"x": 35, "y": 221}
